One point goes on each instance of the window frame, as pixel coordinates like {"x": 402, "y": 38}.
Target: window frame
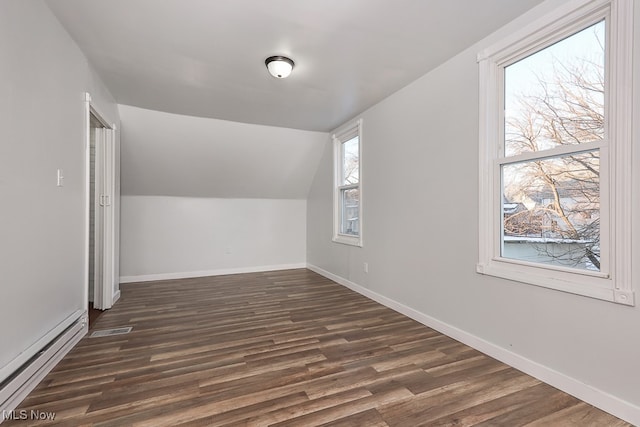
{"x": 341, "y": 136}
{"x": 614, "y": 283}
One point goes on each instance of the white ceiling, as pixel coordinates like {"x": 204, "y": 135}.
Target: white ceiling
{"x": 166, "y": 154}
{"x": 206, "y": 57}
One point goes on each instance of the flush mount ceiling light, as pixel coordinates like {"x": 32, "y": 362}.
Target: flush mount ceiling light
{"x": 279, "y": 66}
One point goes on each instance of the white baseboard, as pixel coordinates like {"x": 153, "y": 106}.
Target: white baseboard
{"x": 17, "y": 389}
{"x": 219, "y": 272}
{"x": 598, "y": 398}
{"x": 116, "y": 296}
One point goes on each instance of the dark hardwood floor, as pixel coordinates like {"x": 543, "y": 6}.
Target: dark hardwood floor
{"x": 286, "y": 348}
{"x": 94, "y": 313}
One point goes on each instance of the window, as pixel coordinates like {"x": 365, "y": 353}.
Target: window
{"x": 555, "y": 144}
{"x": 348, "y": 187}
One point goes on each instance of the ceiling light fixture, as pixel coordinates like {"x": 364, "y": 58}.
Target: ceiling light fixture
{"x": 279, "y": 66}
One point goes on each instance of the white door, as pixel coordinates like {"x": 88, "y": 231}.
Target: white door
{"x": 103, "y": 283}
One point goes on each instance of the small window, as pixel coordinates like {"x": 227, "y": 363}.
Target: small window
{"x": 555, "y": 141}
{"x": 348, "y": 192}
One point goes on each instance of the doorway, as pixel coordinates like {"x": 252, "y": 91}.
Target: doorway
{"x": 100, "y": 225}
{"x": 94, "y": 124}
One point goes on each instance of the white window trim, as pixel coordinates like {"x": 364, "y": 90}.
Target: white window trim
{"x": 341, "y": 135}
{"x": 616, "y": 286}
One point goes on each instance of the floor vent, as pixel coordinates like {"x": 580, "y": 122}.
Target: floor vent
{"x": 110, "y": 332}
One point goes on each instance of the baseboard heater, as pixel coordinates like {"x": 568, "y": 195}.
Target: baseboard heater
{"x": 27, "y": 376}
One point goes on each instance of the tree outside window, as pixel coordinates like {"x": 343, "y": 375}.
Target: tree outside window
{"x": 551, "y": 205}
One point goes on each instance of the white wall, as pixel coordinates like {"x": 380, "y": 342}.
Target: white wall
{"x": 165, "y": 237}
{"x": 420, "y": 200}
{"x": 196, "y": 188}
{"x": 43, "y": 79}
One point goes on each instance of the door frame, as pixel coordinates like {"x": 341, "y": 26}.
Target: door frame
{"x": 107, "y": 292}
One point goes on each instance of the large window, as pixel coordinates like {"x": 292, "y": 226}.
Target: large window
{"x": 348, "y": 194}
{"x": 555, "y": 148}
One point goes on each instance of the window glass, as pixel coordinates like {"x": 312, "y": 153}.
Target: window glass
{"x": 555, "y": 96}
{"x": 350, "y": 162}
{"x": 551, "y": 211}
{"x": 551, "y": 206}
{"x": 349, "y": 218}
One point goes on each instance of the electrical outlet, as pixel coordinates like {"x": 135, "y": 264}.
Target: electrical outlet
{"x": 366, "y": 267}
{"x": 60, "y": 176}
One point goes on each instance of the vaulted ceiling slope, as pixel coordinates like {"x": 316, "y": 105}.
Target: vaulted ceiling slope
{"x": 165, "y": 154}
{"x": 206, "y": 57}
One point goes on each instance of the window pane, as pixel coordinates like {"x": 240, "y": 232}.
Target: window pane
{"x": 350, "y": 162}
{"x": 556, "y": 96}
{"x": 350, "y": 211}
{"x": 551, "y": 211}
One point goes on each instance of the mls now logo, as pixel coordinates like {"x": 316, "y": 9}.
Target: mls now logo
{"x": 23, "y": 414}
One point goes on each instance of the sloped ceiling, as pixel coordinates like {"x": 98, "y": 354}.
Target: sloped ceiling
{"x": 205, "y": 58}
{"x": 165, "y": 154}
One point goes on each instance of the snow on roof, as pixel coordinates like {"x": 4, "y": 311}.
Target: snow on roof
{"x": 524, "y": 239}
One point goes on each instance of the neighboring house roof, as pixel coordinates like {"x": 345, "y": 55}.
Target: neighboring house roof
{"x": 511, "y": 208}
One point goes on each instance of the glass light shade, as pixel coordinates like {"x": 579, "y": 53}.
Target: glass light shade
{"x": 279, "y": 66}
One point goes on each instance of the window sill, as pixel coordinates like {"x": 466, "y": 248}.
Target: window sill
{"x": 575, "y": 283}
{"x": 348, "y": 240}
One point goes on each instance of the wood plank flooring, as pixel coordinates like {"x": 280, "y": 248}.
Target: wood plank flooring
{"x": 94, "y": 313}
{"x": 285, "y": 348}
